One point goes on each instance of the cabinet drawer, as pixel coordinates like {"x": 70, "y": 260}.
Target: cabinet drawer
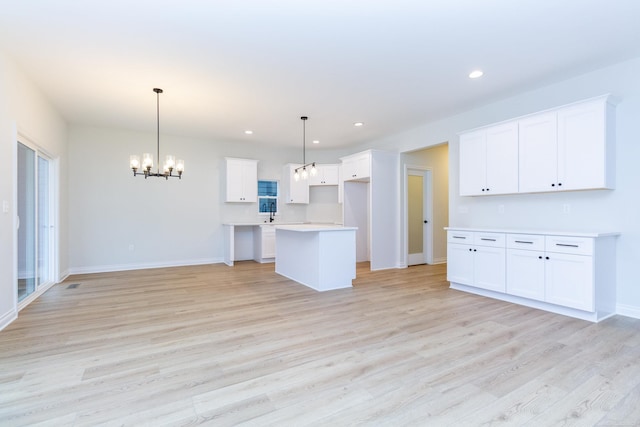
{"x": 533, "y": 242}
{"x": 460, "y": 237}
{"x": 496, "y": 240}
{"x": 569, "y": 245}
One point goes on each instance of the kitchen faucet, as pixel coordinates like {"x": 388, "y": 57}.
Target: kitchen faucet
{"x": 272, "y": 211}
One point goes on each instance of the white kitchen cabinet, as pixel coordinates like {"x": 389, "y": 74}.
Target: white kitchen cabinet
{"x": 525, "y": 266}
{"x": 477, "y": 259}
{"x": 569, "y": 280}
{"x": 570, "y": 148}
{"x": 357, "y": 167}
{"x": 571, "y": 274}
{"x": 327, "y": 174}
{"x": 366, "y": 205}
{"x": 561, "y": 149}
{"x": 538, "y": 156}
{"x": 294, "y": 191}
{"x": 585, "y": 148}
{"x": 242, "y": 180}
{"x": 489, "y": 160}
{"x": 264, "y": 243}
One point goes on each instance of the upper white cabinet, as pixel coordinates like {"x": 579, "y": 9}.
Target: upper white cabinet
{"x": 294, "y": 191}
{"x": 586, "y": 134}
{"x": 538, "y": 153}
{"x": 489, "y": 160}
{"x": 567, "y": 148}
{"x": 357, "y": 167}
{"x": 242, "y": 180}
{"x": 326, "y": 175}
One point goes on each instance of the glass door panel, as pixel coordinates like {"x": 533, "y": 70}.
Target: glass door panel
{"x": 26, "y": 221}
{"x": 44, "y": 223}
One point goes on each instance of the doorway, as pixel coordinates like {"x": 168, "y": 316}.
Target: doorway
{"x": 419, "y": 216}
{"x": 35, "y": 234}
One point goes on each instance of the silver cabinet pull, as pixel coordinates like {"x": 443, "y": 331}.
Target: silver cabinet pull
{"x": 567, "y": 246}
{"x": 524, "y": 241}
{"x": 488, "y": 240}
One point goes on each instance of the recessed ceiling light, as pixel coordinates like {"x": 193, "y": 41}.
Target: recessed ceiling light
{"x": 248, "y": 132}
{"x": 358, "y": 124}
{"x": 315, "y": 141}
{"x": 475, "y": 74}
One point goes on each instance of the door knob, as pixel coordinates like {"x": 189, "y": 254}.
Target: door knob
{"x": 425, "y": 221}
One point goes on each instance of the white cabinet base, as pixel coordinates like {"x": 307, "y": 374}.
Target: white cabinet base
{"x": 596, "y": 316}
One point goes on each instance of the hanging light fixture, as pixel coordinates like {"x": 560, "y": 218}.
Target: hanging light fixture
{"x": 302, "y": 170}
{"x": 170, "y": 163}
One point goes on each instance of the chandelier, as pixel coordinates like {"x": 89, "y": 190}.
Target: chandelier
{"x": 302, "y": 170}
{"x": 170, "y": 163}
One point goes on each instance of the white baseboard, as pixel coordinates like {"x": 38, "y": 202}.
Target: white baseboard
{"x": 125, "y": 267}
{"x": 7, "y": 318}
{"x": 440, "y": 260}
{"x": 63, "y": 276}
{"x": 628, "y": 311}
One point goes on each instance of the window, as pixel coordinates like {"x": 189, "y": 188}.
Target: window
{"x": 267, "y": 197}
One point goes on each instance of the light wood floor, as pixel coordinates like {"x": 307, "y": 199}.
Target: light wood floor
{"x": 233, "y": 346}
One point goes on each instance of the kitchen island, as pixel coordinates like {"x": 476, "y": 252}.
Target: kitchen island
{"x": 322, "y": 257}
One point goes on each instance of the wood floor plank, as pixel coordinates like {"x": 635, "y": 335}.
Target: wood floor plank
{"x": 219, "y": 345}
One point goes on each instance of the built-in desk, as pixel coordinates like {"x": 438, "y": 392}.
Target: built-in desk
{"x": 322, "y": 257}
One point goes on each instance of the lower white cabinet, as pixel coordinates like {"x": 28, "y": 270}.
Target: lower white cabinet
{"x": 565, "y": 273}
{"x": 477, "y": 259}
{"x": 264, "y": 243}
{"x": 554, "y": 269}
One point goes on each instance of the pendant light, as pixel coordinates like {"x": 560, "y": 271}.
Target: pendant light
{"x": 170, "y": 163}
{"x": 301, "y": 172}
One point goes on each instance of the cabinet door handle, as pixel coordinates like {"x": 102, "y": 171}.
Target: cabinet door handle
{"x": 459, "y": 237}
{"x": 540, "y": 257}
{"x": 559, "y": 184}
{"x": 553, "y": 185}
{"x": 487, "y": 240}
{"x": 524, "y": 241}
{"x": 567, "y": 246}
{"x": 547, "y": 257}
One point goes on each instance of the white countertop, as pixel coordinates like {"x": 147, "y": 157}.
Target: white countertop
{"x": 253, "y": 224}
{"x": 544, "y": 232}
{"x": 314, "y": 227}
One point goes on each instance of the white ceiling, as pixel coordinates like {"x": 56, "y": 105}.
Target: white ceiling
{"x": 231, "y": 65}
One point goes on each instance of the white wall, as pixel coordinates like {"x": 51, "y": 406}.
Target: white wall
{"x": 617, "y": 210}
{"x": 23, "y": 108}
{"x": 175, "y": 222}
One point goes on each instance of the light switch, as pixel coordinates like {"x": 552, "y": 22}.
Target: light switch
{"x": 5, "y": 206}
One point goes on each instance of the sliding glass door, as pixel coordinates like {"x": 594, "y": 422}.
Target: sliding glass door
{"x": 35, "y": 225}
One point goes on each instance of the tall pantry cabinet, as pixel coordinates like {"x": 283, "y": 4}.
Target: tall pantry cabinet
{"x": 369, "y": 183}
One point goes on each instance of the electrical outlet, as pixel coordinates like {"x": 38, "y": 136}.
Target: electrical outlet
{"x": 500, "y": 209}
{"x": 5, "y": 206}
{"x": 566, "y": 208}
{"x": 131, "y": 247}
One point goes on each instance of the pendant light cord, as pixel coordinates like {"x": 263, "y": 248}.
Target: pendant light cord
{"x": 158, "y": 125}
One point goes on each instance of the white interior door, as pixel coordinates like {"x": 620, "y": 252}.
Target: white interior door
{"x": 419, "y": 217}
